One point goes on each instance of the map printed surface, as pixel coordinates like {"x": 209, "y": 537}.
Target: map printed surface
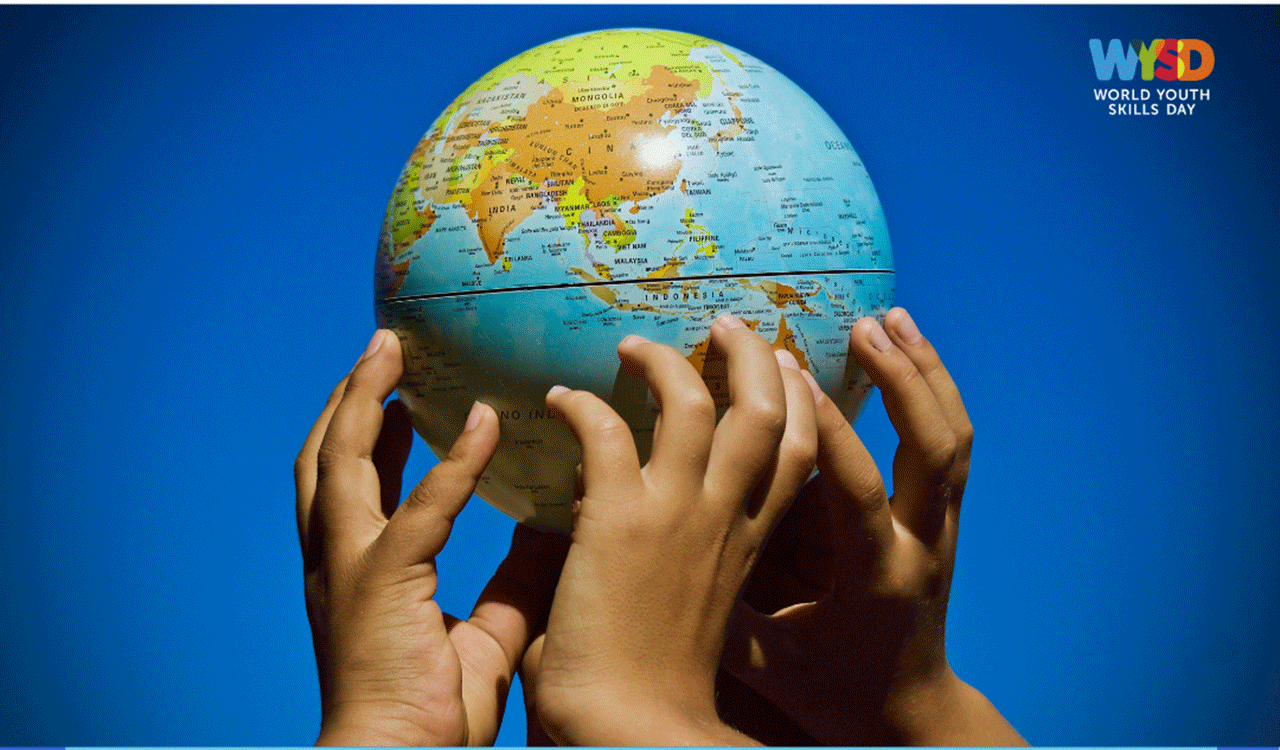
{"x": 619, "y": 182}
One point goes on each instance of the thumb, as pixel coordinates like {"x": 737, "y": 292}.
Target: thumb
{"x": 419, "y": 528}
{"x": 515, "y": 603}
{"x": 762, "y": 650}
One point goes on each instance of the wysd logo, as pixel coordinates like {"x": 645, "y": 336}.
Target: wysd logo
{"x": 1173, "y": 60}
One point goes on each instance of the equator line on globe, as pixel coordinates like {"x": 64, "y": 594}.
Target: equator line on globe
{"x": 617, "y": 182}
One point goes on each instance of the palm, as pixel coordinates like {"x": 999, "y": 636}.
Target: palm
{"x": 393, "y": 668}
{"x": 848, "y": 618}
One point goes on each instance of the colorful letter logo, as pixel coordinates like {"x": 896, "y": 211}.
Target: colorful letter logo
{"x": 1173, "y": 55}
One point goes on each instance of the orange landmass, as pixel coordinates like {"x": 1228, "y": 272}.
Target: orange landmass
{"x": 400, "y": 270}
{"x": 786, "y": 339}
{"x": 781, "y": 295}
{"x": 499, "y": 203}
{"x": 558, "y": 140}
{"x": 712, "y": 366}
{"x": 669, "y": 269}
{"x": 735, "y": 129}
{"x": 603, "y": 145}
{"x": 561, "y": 142}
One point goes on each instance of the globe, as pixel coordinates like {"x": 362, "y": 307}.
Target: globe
{"x": 629, "y": 181}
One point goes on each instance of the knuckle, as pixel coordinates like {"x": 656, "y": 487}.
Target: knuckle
{"x": 334, "y": 458}
{"x": 304, "y": 465}
{"x": 800, "y": 447}
{"x": 768, "y": 416}
{"x": 905, "y": 373}
{"x": 696, "y": 405}
{"x": 339, "y": 390}
{"x": 610, "y": 427}
{"x": 422, "y": 496}
{"x": 939, "y": 451}
{"x": 328, "y": 457}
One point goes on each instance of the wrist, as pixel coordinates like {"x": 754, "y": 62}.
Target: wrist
{"x": 945, "y": 710}
{"x": 369, "y": 725}
{"x": 626, "y": 717}
{"x": 911, "y": 709}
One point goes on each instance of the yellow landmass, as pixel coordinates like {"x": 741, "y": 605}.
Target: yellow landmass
{"x": 621, "y": 235}
{"x": 573, "y": 204}
{"x": 699, "y": 235}
{"x": 405, "y": 222}
{"x": 403, "y": 225}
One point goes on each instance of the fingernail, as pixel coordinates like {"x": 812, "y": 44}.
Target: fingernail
{"x": 906, "y": 328}
{"x": 473, "y": 419}
{"x": 556, "y": 390}
{"x": 729, "y": 322}
{"x": 375, "y": 344}
{"x": 813, "y": 386}
{"x": 786, "y": 359}
{"x": 633, "y": 340}
{"x": 879, "y": 339}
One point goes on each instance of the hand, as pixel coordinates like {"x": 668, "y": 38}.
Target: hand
{"x": 859, "y": 655}
{"x": 659, "y": 552}
{"x": 394, "y": 669}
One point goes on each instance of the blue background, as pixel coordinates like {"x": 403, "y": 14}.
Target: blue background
{"x": 190, "y": 200}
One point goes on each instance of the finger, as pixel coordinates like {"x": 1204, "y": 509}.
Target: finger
{"x": 419, "y": 528}
{"x": 515, "y": 603}
{"x": 753, "y": 426}
{"x": 608, "y": 450}
{"x": 347, "y": 487}
{"x": 857, "y": 502}
{"x": 682, "y": 437}
{"x": 304, "y": 468}
{"x": 927, "y": 444}
{"x": 906, "y": 336}
{"x": 794, "y": 460}
{"x": 392, "y": 452}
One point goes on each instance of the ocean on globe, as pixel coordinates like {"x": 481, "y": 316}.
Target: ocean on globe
{"x": 630, "y": 181}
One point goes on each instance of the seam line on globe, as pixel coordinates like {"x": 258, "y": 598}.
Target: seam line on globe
{"x": 662, "y": 280}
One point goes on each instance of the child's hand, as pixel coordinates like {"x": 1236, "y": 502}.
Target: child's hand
{"x": 659, "y": 552}
{"x": 860, "y": 657}
{"x": 394, "y": 669}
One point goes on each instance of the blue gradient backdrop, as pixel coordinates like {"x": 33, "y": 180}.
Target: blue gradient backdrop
{"x": 189, "y": 203}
